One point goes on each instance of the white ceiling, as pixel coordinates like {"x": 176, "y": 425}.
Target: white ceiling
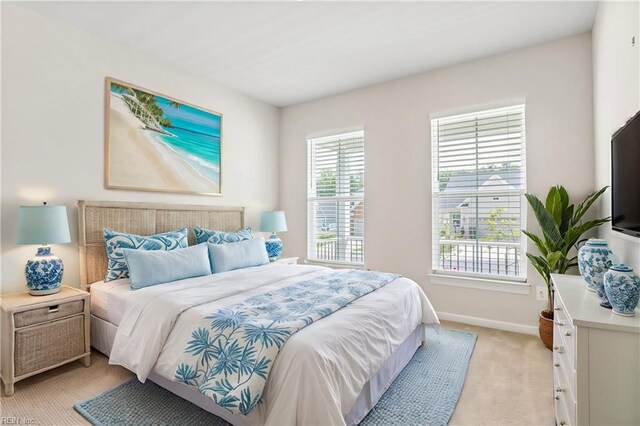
{"x": 286, "y": 53}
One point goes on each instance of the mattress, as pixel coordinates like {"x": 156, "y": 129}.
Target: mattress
{"x": 107, "y": 299}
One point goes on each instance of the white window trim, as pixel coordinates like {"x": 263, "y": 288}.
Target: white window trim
{"x": 478, "y": 107}
{"x": 336, "y": 264}
{"x": 500, "y": 283}
{"x": 333, "y": 135}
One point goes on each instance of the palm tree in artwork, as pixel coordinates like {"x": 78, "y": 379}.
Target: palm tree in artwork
{"x": 148, "y": 100}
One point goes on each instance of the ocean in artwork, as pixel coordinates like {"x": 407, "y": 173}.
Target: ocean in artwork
{"x": 184, "y": 136}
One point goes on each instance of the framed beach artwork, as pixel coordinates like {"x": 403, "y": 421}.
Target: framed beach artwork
{"x": 157, "y": 143}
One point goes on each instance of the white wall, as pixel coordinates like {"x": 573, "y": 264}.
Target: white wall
{"x": 53, "y": 79}
{"x": 616, "y": 97}
{"x": 554, "y": 78}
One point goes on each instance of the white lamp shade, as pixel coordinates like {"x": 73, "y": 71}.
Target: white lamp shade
{"x": 273, "y": 222}
{"x": 43, "y": 225}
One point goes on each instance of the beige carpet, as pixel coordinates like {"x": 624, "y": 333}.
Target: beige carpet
{"x": 509, "y": 383}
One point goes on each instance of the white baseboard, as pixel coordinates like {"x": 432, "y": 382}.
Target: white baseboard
{"x": 488, "y": 323}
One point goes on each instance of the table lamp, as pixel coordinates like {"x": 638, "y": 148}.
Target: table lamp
{"x": 273, "y": 222}
{"x": 43, "y": 225}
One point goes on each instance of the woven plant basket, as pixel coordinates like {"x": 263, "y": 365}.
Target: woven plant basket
{"x": 545, "y": 328}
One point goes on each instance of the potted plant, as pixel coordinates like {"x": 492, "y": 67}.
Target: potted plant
{"x": 562, "y": 228}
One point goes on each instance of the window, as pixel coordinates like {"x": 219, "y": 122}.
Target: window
{"x": 335, "y": 200}
{"x": 455, "y": 220}
{"x": 478, "y": 193}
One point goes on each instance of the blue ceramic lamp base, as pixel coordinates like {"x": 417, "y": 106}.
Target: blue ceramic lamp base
{"x": 44, "y": 273}
{"x": 274, "y": 247}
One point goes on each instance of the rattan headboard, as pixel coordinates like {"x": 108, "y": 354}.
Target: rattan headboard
{"x": 141, "y": 219}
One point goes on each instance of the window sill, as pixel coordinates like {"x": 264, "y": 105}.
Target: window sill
{"x": 330, "y": 264}
{"x": 502, "y": 286}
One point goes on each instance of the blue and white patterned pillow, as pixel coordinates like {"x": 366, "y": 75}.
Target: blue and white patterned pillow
{"x": 116, "y": 241}
{"x": 220, "y": 237}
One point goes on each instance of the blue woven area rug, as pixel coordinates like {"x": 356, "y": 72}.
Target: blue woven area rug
{"x": 424, "y": 393}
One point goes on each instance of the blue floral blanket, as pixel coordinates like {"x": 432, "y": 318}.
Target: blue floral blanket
{"x": 231, "y": 359}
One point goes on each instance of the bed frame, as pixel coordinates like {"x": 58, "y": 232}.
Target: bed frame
{"x": 141, "y": 219}
{"x": 147, "y": 219}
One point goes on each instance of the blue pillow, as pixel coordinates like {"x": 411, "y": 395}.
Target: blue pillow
{"x": 220, "y": 237}
{"x": 117, "y": 241}
{"x": 153, "y": 267}
{"x": 243, "y": 254}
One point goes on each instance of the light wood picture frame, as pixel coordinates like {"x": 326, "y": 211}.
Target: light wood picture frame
{"x": 156, "y": 143}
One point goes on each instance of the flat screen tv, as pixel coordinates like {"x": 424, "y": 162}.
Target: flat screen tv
{"x": 625, "y": 178}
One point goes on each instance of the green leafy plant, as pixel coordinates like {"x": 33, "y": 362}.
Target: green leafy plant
{"x": 501, "y": 227}
{"x": 562, "y": 228}
{"x": 327, "y": 184}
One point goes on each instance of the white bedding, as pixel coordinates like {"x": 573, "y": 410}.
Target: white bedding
{"x": 319, "y": 372}
{"x": 108, "y": 299}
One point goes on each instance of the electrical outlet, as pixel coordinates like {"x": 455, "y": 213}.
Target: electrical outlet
{"x": 541, "y": 293}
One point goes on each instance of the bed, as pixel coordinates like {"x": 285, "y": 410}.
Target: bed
{"x": 330, "y": 372}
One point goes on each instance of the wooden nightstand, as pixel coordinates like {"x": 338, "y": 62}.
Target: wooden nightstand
{"x": 43, "y": 332}
{"x": 287, "y": 260}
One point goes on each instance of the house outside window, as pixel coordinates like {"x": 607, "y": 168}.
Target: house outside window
{"x": 478, "y": 193}
{"x": 335, "y": 199}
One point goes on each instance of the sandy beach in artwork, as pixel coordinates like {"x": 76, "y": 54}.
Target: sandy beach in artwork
{"x": 138, "y": 158}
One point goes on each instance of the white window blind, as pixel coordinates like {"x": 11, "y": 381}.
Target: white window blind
{"x": 335, "y": 204}
{"x": 478, "y": 193}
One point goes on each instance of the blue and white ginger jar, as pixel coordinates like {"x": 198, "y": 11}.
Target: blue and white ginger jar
{"x": 594, "y": 259}
{"x": 44, "y": 272}
{"x": 622, "y": 287}
{"x": 274, "y": 247}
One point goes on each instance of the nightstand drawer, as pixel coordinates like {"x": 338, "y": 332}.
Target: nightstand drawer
{"x": 48, "y": 313}
{"x": 49, "y": 344}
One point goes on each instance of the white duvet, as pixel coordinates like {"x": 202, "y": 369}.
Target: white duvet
{"x": 321, "y": 369}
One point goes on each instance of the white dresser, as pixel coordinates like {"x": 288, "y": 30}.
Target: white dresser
{"x": 596, "y": 359}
